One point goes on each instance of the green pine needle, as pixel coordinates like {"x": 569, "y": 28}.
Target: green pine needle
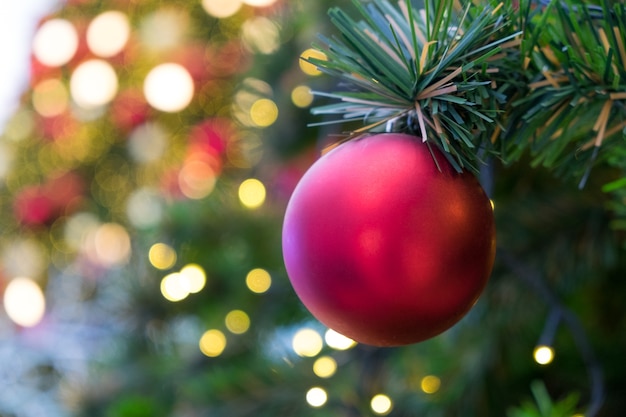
{"x": 432, "y": 68}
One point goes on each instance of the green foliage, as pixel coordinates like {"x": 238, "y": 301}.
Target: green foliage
{"x": 544, "y": 405}
{"x": 427, "y": 71}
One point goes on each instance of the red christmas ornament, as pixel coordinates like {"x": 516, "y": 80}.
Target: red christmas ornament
{"x": 386, "y": 246}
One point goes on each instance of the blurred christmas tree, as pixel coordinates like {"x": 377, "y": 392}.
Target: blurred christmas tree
{"x": 144, "y": 182}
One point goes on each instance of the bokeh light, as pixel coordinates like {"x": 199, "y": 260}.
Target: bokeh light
{"x": 108, "y": 33}
{"x": 381, "y": 404}
{"x": 221, "y": 8}
{"x": 24, "y": 256}
{"x": 168, "y": 87}
{"x": 316, "y": 397}
{"x": 259, "y": 3}
{"x": 93, "y": 84}
{"x": 338, "y": 341}
{"x": 55, "y": 42}
{"x": 194, "y": 278}
{"x": 264, "y": 112}
{"x": 144, "y": 207}
{"x": 301, "y": 96}
{"x": 174, "y": 287}
{"x": 307, "y": 343}
{"x": 162, "y": 256}
{"x": 258, "y": 280}
{"x": 112, "y": 245}
{"x": 164, "y": 29}
{"x": 212, "y": 343}
{"x": 24, "y": 302}
{"x": 306, "y": 66}
{"x": 50, "y": 98}
{"x": 252, "y": 193}
{"x": 148, "y": 142}
{"x": 196, "y": 179}
{"x": 237, "y": 322}
{"x": 325, "y": 367}
{"x": 543, "y": 355}
{"x": 261, "y": 35}
{"x": 430, "y": 384}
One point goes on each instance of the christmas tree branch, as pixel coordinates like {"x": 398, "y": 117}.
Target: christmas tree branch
{"x": 535, "y": 281}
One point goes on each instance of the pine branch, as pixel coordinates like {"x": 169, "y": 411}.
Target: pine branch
{"x": 433, "y": 68}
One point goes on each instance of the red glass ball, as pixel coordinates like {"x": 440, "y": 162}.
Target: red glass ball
{"x": 386, "y": 246}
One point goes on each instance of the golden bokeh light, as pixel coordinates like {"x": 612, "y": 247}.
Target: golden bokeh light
{"x": 55, "y": 42}
{"x": 194, "y": 277}
{"x": 169, "y": 87}
{"x": 430, "y": 384}
{"x": 162, "y": 256}
{"x": 174, "y": 287}
{"x": 258, "y": 280}
{"x": 301, "y": 96}
{"x": 93, "y": 84}
{"x": 325, "y": 367}
{"x": 252, "y": 193}
{"x": 264, "y": 112}
{"x": 24, "y": 302}
{"x": 237, "y": 322}
{"x": 221, "y": 8}
{"x": 306, "y": 66}
{"x": 212, "y": 343}
{"x": 108, "y": 33}
{"x": 381, "y": 404}
{"x": 338, "y": 341}
{"x": 543, "y": 355}
{"x": 307, "y": 343}
{"x": 50, "y": 98}
{"x": 316, "y": 397}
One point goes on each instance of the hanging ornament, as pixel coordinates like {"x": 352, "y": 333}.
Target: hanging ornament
{"x": 384, "y": 246}
{"x": 389, "y": 238}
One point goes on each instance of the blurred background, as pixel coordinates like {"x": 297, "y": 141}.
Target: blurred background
{"x": 147, "y": 153}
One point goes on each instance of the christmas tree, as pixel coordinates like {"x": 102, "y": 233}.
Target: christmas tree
{"x": 147, "y": 173}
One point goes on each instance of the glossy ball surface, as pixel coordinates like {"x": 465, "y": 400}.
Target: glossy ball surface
{"x": 383, "y": 246}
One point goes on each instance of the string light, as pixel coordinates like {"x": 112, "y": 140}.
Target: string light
{"x": 162, "y": 256}
{"x": 194, "y": 277}
{"x": 543, "y": 355}
{"x": 338, "y": 341}
{"x": 55, "y": 42}
{"x": 237, "y": 322}
{"x": 168, "y": 87}
{"x": 108, "y": 33}
{"x": 306, "y": 66}
{"x": 430, "y": 384}
{"x": 252, "y": 193}
{"x": 264, "y": 112}
{"x": 316, "y": 397}
{"x": 543, "y": 352}
{"x": 258, "y": 280}
{"x": 221, "y": 8}
{"x": 24, "y": 302}
{"x": 381, "y": 404}
{"x": 307, "y": 343}
{"x": 301, "y": 96}
{"x": 325, "y": 367}
{"x": 212, "y": 343}
{"x": 93, "y": 84}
